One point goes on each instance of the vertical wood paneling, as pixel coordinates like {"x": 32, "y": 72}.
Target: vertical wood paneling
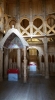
{"x": 50, "y": 6}
{"x": 37, "y": 7}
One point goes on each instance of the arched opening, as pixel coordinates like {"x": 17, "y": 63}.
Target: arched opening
{"x": 24, "y": 23}
{"x": 12, "y": 22}
{"x": 13, "y": 41}
{"x": 33, "y": 61}
{"x": 37, "y": 22}
{"x": 51, "y": 21}
{"x": 12, "y": 44}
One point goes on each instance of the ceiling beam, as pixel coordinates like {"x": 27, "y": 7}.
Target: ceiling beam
{"x": 40, "y": 36}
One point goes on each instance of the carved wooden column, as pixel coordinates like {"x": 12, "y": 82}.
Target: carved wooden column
{"x": 19, "y": 60}
{"x": 31, "y": 22}
{"x": 18, "y": 9}
{"x": 45, "y": 41}
{"x": 30, "y": 2}
{"x": 46, "y": 58}
{"x": 1, "y": 65}
{"x": 18, "y": 14}
{"x": 44, "y": 8}
{"x": 5, "y": 63}
{"x": 40, "y": 64}
{"x": 25, "y": 65}
{"x": 1, "y": 15}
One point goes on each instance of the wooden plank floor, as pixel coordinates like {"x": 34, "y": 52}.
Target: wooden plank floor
{"x": 37, "y": 88}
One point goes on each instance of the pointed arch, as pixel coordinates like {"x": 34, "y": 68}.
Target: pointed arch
{"x": 17, "y": 33}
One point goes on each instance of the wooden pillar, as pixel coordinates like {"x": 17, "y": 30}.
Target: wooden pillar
{"x": 46, "y": 58}
{"x": 19, "y": 60}
{"x": 5, "y": 63}
{"x": 31, "y": 22}
{"x": 1, "y": 65}
{"x": 45, "y": 51}
{"x": 25, "y": 65}
{"x": 40, "y": 64}
{"x": 44, "y": 8}
{"x": 31, "y": 28}
{"x": 30, "y": 6}
{"x": 1, "y": 15}
{"x": 18, "y": 9}
{"x": 18, "y": 14}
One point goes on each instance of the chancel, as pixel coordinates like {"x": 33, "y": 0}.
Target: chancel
{"x": 27, "y": 49}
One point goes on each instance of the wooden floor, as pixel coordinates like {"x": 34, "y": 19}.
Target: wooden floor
{"x": 37, "y": 88}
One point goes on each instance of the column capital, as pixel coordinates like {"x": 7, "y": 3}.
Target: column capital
{"x": 45, "y": 40}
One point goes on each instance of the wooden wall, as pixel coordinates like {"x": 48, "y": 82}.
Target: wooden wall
{"x": 38, "y": 7}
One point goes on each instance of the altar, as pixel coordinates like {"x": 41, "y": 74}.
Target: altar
{"x": 13, "y": 74}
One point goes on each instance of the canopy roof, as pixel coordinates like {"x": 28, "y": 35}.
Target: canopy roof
{"x": 13, "y": 37}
